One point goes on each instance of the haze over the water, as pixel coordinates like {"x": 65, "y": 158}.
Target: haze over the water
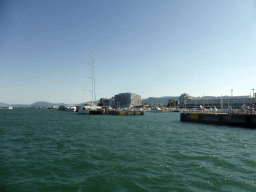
{"x": 152, "y": 48}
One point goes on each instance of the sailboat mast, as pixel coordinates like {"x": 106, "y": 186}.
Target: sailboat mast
{"x": 92, "y": 78}
{"x": 94, "y": 92}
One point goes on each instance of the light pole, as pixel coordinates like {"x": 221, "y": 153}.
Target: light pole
{"x": 253, "y": 101}
{"x": 232, "y": 101}
{"x": 253, "y": 95}
{"x": 185, "y": 104}
{"x": 250, "y": 102}
{"x": 228, "y": 103}
{"x": 221, "y": 103}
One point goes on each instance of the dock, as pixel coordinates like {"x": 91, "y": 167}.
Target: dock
{"x": 238, "y": 120}
{"x": 124, "y": 113}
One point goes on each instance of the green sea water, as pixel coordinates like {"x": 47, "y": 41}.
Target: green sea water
{"x": 51, "y": 150}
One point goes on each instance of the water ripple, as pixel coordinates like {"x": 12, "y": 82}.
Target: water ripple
{"x": 50, "y": 150}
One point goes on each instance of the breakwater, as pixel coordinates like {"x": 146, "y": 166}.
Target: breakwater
{"x": 240, "y": 120}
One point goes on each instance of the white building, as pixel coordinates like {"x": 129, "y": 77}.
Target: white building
{"x": 127, "y": 100}
{"x": 219, "y": 102}
{"x": 122, "y": 100}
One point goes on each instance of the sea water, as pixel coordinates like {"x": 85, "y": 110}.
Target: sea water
{"x": 51, "y": 150}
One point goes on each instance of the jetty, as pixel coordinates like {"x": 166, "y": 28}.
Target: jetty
{"x": 124, "y": 112}
{"x": 239, "y": 120}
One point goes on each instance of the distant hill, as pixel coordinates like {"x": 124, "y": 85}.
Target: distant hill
{"x": 4, "y": 105}
{"x": 159, "y": 100}
{"x": 19, "y": 105}
{"x": 45, "y": 104}
{"x": 150, "y": 101}
{"x": 40, "y": 104}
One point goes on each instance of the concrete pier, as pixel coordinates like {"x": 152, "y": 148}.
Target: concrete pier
{"x": 240, "y": 120}
{"x": 125, "y": 112}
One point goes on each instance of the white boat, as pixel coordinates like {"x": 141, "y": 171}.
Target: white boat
{"x": 156, "y": 110}
{"x": 71, "y": 108}
{"x": 127, "y": 109}
{"x": 96, "y": 110}
{"x": 84, "y": 110}
{"x": 10, "y": 107}
{"x": 91, "y": 108}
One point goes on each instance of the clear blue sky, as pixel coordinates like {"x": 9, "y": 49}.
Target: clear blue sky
{"x": 152, "y": 48}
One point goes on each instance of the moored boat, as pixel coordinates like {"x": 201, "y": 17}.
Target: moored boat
{"x": 71, "y": 108}
{"x": 156, "y": 110}
{"x": 91, "y": 108}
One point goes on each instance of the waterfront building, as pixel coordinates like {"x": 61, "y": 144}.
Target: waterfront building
{"x": 172, "y": 103}
{"x": 112, "y": 101}
{"x": 127, "y": 100}
{"x": 212, "y": 101}
{"x": 104, "y": 101}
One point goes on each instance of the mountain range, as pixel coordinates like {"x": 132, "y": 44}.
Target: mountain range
{"x": 159, "y": 100}
{"x": 150, "y": 101}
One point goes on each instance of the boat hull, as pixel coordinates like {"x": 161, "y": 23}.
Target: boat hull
{"x": 70, "y": 110}
{"x": 96, "y": 112}
{"x": 84, "y": 111}
{"x": 155, "y": 111}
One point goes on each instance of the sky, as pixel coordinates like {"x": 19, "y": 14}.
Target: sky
{"x": 152, "y": 48}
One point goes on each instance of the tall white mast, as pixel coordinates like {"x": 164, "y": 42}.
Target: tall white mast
{"x": 92, "y": 78}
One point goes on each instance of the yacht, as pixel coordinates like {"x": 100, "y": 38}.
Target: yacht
{"x": 96, "y": 110}
{"x": 85, "y": 109}
{"x": 91, "y": 108}
{"x": 156, "y": 110}
{"x": 175, "y": 110}
{"x": 71, "y": 108}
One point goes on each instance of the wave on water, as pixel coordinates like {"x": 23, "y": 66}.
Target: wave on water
{"x": 50, "y": 150}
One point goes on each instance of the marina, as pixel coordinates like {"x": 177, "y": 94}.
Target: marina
{"x": 155, "y": 110}
{"x": 127, "y": 96}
